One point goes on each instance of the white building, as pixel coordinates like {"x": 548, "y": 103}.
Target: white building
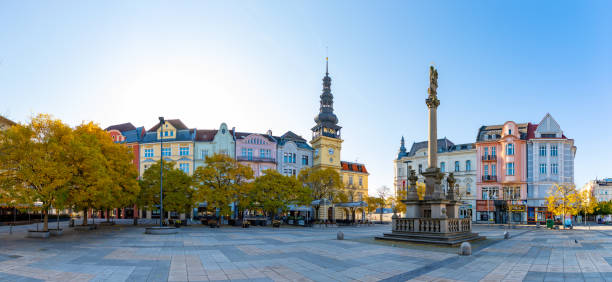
{"x": 292, "y": 154}
{"x": 550, "y": 160}
{"x": 457, "y": 159}
{"x": 600, "y": 189}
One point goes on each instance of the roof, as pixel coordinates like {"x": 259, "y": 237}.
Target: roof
{"x": 355, "y": 167}
{"x": 177, "y": 123}
{"x": 121, "y": 127}
{"x": 205, "y": 134}
{"x": 6, "y": 121}
{"x": 135, "y": 135}
{"x": 242, "y": 135}
{"x": 290, "y": 136}
{"x": 181, "y": 135}
{"x": 443, "y": 146}
{"x": 496, "y": 131}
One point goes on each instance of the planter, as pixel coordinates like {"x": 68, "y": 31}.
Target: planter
{"x": 38, "y": 234}
{"x": 161, "y": 230}
{"x": 84, "y": 228}
{"x": 56, "y": 232}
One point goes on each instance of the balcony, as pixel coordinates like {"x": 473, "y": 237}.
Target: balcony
{"x": 489, "y": 158}
{"x": 489, "y": 178}
{"x": 255, "y": 159}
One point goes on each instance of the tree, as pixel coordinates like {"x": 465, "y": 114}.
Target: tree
{"x": 562, "y": 200}
{"x": 90, "y": 186}
{"x": 421, "y": 190}
{"x": 372, "y": 203}
{"x": 275, "y": 192}
{"x": 603, "y": 208}
{"x": 396, "y": 200}
{"x": 125, "y": 188}
{"x": 586, "y": 203}
{"x": 33, "y": 162}
{"x": 178, "y": 192}
{"x": 383, "y": 194}
{"x": 241, "y": 176}
{"x": 323, "y": 184}
{"x": 222, "y": 182}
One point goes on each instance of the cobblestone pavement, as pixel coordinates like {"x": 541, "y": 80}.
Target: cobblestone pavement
{"x": 125, "y": 253}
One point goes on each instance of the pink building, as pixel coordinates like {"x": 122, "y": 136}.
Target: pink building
{"x": 501, "y": 173}
{"x": 257, "y": 151}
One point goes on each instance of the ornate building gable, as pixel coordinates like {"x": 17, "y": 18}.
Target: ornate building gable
{"x": 548, "y": 128}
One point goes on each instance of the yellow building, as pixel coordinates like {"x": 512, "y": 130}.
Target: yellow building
{"x": 327, "y": 145}
{"x": 178, "y": 142}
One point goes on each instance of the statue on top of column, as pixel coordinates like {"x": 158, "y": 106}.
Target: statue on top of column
{"x": 432, "y": 99}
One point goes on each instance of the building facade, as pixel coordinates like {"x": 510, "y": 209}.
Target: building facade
{"x": 355, "y": 181}
{"x": 215, "y": 141}
{"x": 600, "y": 189}
{"x": 292, "y": 154}
{"x": 257, "y": 151}
{"x": 501, "y": 176}
{"x": 178, "y": 146}
{"x": 550, "y": 160}
{"x": 459, "y": 159}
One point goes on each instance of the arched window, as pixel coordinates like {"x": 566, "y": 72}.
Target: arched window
{"x": 456, "y": 165}
{"x": 468, "y": 165}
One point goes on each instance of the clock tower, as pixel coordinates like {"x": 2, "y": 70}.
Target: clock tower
{"x": 326, "y": 140}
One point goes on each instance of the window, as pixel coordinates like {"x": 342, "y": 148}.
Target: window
{"x": 489, "y": 193}
{"x": 542, "y": 168}
{"x": 148, "y": 153}
{"x": 360, "y": 181}
{"x": 184, "y": 168}
{"x": 493, "y": 169}
{"x": 171, "y": 133}
{"x": 250, "y": 154}
{"x": 304, "y": 160}
{"x": 184, "y": 151}
{"x": 543, "y": 150}
{"x": 244, "y": 152}
{"x": 509, "y": 131}
{"x": 486, "y": 151}
{"x": 554, "y": 169}
{"x": 510, "y": 169}
{"x": 351, "y": 180}
{"x": 165, "y": 133}
{"x": 512, "y": 193}
{"x": 443, "y": 167}
{"x": 166, "y": 152}
{"x": 468, "y": 165}
{"x": 456, "y": 166}
{"x": 486, "y": 170}
{"x": 493, "y": 151}
{"x": 468, "y": 188}
{"x": 509, "y": 149}
{"x": 553, "y": 150}
{"x": 204, "y": 154}
{"x": 262, "y": 153}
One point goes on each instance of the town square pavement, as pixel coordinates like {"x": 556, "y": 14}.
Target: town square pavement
{"x": 197, "y": 253}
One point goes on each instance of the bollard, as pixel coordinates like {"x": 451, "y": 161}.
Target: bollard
{"x": 506, "y": 235}
{"x": 465, "y": 249}
{"x": 340, "y": 235}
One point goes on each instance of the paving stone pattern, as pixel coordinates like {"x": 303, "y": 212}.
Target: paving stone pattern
{"x": 125, "y": 253}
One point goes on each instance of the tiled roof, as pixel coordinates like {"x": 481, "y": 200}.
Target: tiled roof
{"x": 121, "y": 127}
{"x": 290, "y": 136}
{"x": 6, "y": 121}
{"x": 135, "y": 135}
{"x": 177, "y": 123}
{"x": 444, "y": 145}
{"x": 181, "y": 135}
{"x": 355, "y": 167}
{"x": 205, "y": 134}
{"x": 242, "y": 135}
{"x": 496, "y": 131}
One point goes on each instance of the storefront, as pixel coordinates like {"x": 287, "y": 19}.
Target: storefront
{"x": 485, "y": 211}
{"x": 538, "y": 214}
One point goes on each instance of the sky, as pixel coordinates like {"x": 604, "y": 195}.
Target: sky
{"x": 258, "y": 65}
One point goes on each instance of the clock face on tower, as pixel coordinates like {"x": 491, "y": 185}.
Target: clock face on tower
{"x": 331, "y": 151}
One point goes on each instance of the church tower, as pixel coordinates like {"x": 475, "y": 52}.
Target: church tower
{"x": 326, "y": 140}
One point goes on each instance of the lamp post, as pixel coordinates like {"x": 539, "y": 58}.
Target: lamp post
{"x": 161, "y": 172}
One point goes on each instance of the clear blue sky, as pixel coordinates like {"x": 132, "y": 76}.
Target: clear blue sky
{"x": 257, "y": 65}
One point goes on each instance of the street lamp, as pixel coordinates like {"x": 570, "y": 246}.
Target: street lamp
{"x": 161, "y": 172}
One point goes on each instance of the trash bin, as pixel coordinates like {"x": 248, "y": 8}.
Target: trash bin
{"x": 550, "y": 223}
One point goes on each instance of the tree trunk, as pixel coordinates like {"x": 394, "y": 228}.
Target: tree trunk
{"x": 46, "y": 225}
{"x": 107, "y": 216}
{"x": 84, "y": 217}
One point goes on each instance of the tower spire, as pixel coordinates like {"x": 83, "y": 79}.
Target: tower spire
{"x": 326, "y": 66}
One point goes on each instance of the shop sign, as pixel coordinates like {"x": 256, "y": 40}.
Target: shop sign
{"x": 481, "y": 205}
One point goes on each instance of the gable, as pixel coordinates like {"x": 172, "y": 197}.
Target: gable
{"x": 547, "y": 126}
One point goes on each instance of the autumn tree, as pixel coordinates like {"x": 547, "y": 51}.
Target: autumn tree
{"x": 323, "y": 184}
{"x": 178, "y": 192}
{"x": 562, "y": 200}
{"x": 222, "y": 182}
{"x": 397, "y": 201}
{"x": 275, "y": 192}
{"x": 34, "y": 164}
{"x": 586, "y": 203}
{"x": 383, "y": 194}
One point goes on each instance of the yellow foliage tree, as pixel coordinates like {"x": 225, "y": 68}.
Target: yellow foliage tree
{"x": 562, "y": 200}
{"x": 586, "y": 203}
{"x": 34, "y": 164}
{"x": 421, "y": 190}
